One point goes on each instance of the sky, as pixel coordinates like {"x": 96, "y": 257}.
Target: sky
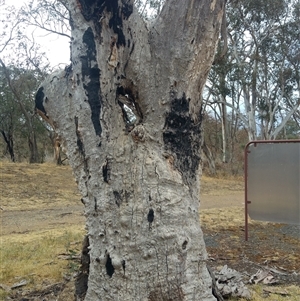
{"x": 57, "y": 48}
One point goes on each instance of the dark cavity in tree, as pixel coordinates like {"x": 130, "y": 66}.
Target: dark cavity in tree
{"x": 130, "y": 93}
{"x": 39, "y": 98}
{"x": 181, "y": 137}
{"x": 109, "y": 267}
{"x": 93, "y": 73}
{"x": 184, "y": 245}
{"x": 150, "y": 216}
{"x": 93, "y": 10}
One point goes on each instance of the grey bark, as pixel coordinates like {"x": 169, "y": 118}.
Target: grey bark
{"x": 129, "y": 112}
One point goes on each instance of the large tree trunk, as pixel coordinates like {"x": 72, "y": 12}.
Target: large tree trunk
{"x": 130, "y": 114}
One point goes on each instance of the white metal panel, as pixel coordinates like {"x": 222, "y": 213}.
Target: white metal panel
{"x": 273, "y": 182}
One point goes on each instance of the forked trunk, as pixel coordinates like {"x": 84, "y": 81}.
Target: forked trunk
{"x": 129, "y": 110}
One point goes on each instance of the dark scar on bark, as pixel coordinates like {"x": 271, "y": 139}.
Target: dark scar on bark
{"x": 92, "y": 10}
{"x": 39, "y": 98}
{"x": 92, "y": 72}
{"x": 150, "y": 216}
{"x": 106, "y": 168}
{"x": 95, "y": 204}
{"x": 81, "y": 281}
{"x": 109, "y": 266}
{"x": 118, "y": 197}
{"x": 181, "y": 137}
{"x": 123, "y": 265}
{"x": 121, "y": 196}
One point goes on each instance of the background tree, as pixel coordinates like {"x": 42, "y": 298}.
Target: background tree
{"x": 20, "y": 128}
{"x": 21, "y": 74}
{"x": 254, "y": 81}
{"x": 52, "y": 17}
{"x": 261, "y": 65}
{"x": 129, "y": 111}
{"x": 7, "y": 118}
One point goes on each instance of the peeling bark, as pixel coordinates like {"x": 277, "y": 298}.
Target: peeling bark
{"x": 129, "y": 111}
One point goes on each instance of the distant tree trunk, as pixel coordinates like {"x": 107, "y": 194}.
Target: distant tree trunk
{"x": 56, "y": 141}
{"x": 210, "y": 159}
{"x": 33, "y": 149}
{"x": 129, "y": 112}
{"x": 224, "y": 124}
{"x": 8, "y": 139}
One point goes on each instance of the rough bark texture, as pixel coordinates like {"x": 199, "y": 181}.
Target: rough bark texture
{"x": 129, "y": 110}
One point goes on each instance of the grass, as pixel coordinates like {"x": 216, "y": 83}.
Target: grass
{"x": 36, "y": 186}
{"x": 35, "y": 257}
{"x": 221, "y": 186}
{"x": 259, "y": 293}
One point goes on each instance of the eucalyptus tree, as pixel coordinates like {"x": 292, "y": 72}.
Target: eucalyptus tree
{"x": 261, "y": 69}
{"x": 19, "y": 126}
{"x": 23, "y": 66}
{"x": 129, "y": 111}
{"x": 7, "y": 117}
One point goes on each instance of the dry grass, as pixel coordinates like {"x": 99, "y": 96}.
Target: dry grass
{"x": 221, "y": 186}
{"x": 259, "y": 294}
{"x": 35, "y": 186}
{"x": 35, "y": 257}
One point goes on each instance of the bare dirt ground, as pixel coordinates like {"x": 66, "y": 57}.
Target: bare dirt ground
{"x": 45, "y": 197}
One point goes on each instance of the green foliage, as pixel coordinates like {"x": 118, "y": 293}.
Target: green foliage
{"x": 290, "y": 131}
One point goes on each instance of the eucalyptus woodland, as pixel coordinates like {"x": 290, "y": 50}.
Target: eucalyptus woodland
{"x": 128, "y": 109}
{"x": 258, "y": 78}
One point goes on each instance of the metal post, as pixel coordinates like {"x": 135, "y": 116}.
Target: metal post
{"x": 246, "y": 188}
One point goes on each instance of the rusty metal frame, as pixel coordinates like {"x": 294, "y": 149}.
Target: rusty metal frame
{"x": 246, "y": 152}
